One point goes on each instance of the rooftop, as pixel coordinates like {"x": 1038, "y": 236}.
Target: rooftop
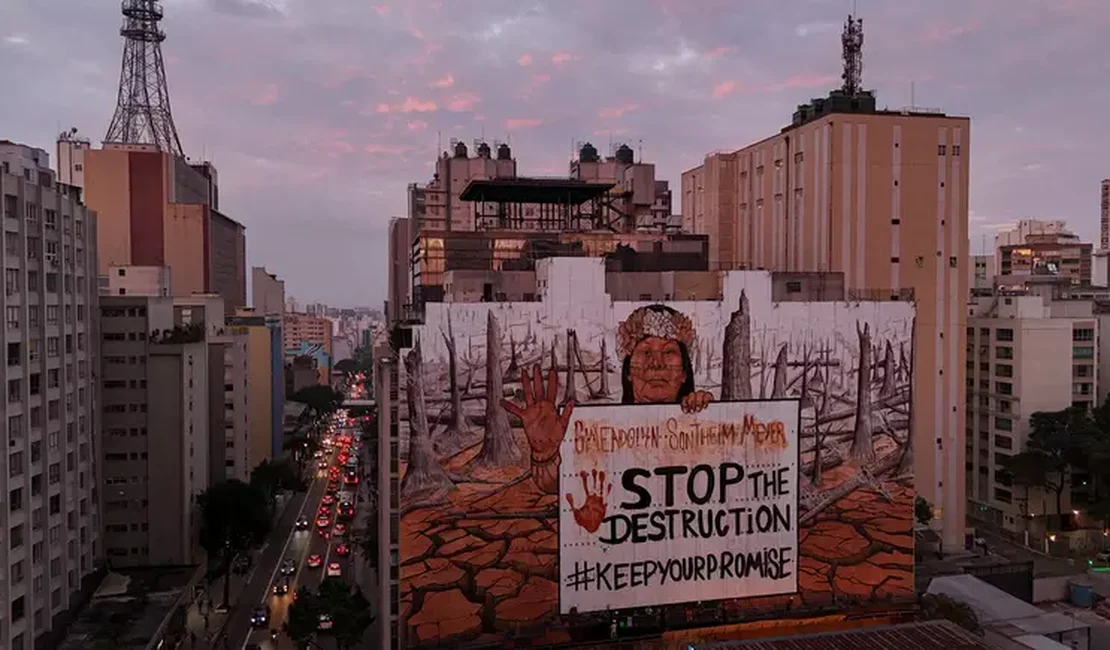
{"x": 930, "y": 635}
{"x": 128, "y": 608}
{"x": 561, "y": 191}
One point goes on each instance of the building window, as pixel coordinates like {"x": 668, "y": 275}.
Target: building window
{"x": 1083, "y": 352}
{"x": 955, "y": 150}
{"x": 1004, "y": 352}
{"x": 942, "y": 150}
{"x": 1083, "y": 334}
{"x": 1004, "y": 334}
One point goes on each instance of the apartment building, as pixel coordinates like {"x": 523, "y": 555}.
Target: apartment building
{"x": 400, "y": 269}
{"x": 882, "y": 197}
{"x": 1025, "y": 353}
{"x": 267, "y": 292}
{"x": 982, "y": 271}
{"x": 265, "y": 399}
{"x": 305, "y": 335}
{"x": 50, "y": 540}
{"x": 163, "y": 421}
{"x": 236, "y": 423}
{"x": 1061, "y": 254}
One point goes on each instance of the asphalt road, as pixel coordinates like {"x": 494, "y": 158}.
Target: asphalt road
{"x": 298, "y": 546}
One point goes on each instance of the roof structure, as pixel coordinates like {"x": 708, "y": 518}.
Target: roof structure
{"x": 930, "y": 635}
{"x": 559, "y": 191}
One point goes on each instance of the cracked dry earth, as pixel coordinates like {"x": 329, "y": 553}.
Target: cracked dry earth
{"x": 470, "y": 574}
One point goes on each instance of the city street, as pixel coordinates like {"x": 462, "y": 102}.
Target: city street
{"x": 299, "y": 546}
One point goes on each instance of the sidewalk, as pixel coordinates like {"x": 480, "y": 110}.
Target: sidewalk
{"x": 203, "y": 623}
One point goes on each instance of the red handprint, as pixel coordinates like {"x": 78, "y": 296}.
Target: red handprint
{"x": 592, "y": 512}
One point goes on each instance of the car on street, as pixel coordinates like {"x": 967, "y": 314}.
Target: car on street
{"x": 339, "y": 530}
{"x": 328, "y": 500}
{"x": 323, "y": 523}
{"x": 333, "y": 487}
{"x": 281, "y": 588}
{"x": 324, "y": 621}
{"x": 314, "y": 561}
{"x": 302, "y": 523}
{"x": 288, "y": 566}
{"x": 322, "y": 464}
{"x": 260, "y": 616}
{"x": 334, "y": 570}
{"x": 342, "y": 550}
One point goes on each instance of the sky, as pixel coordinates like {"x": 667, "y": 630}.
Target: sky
{"x": 318, "y": 113}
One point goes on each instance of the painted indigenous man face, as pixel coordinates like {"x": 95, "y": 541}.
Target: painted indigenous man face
{"x": 656, "y": 372}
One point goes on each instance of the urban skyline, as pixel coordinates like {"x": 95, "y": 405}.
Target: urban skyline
{"x": 335, "y": 131}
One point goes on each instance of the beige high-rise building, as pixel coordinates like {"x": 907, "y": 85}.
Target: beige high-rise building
{"x": 267, "y": 292}
{"x": 164, "y": 435}
{"x": 50, "y": 502}
{"x": 265, "y": 399}
{"x": 400, "y": 269}
{"x": 881, "y": 196}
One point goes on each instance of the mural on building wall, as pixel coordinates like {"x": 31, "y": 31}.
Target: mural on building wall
{"x": 491, "y": 388}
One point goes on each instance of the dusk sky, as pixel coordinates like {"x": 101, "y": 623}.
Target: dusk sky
{"x": 318, "y": 113}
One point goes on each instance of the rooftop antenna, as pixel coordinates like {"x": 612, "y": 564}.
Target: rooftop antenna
{"x": 641, "y": 149}
{"x": 852, "y": 41}
{"x": 439, "y": 142}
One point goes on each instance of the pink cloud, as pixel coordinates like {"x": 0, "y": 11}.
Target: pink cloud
{"x": 462, "y": 102}
{"x": 716, "y": 52}
{"x": 524, "y": 60}
{"x": 943, "y": 33}
{"x": 417, "y": 125}
{"x": 410, "y": 105}
{"x": 269, "y": 96}
{"x": 724, "y": 89}
{"x": 802, "y": 81}
{"x": 559, "y": 58}
{"x": 385, "y": 149}
{"x": 618, "y": 111}
{"x": 535, "y": 82}
{"x": 522, "y": 123}
{"x": 382, "y": 10}
{"x": 444, "y": 82}
{"x": 338, "y": 77}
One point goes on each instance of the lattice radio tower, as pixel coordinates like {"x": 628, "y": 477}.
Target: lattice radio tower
{"x": 143, "y": 108}
{"x": 852, "y": 40}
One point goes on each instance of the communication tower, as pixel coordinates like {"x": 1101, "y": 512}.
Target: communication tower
{"x": 143, "y": 106}
{"x": 852, "y": 41}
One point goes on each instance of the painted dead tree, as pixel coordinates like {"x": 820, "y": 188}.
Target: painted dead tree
{"x": 890, "y": 382}
{"x": 450, "y": 439}
{"x": 424, "y": 474}
{"x": 778, "y": 385}
{"x": 863, "y": 445}
{"x": 736, "y": 366}
{"x": 499, "y": 448}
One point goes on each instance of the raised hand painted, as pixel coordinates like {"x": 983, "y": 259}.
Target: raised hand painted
{"x": 544, "y": 424}
{"x": 592, "y": 512}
